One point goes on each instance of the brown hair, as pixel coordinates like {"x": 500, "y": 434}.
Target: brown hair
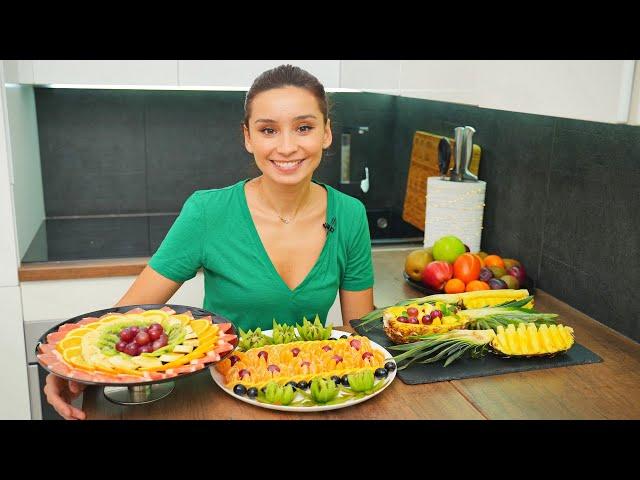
{"x": 286, "y": 76}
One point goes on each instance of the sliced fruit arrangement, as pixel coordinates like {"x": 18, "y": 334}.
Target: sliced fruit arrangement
{"x": 532, "y": 340}
{"x": 135, "y": 346}
{"x": 300, "y": 361}
{"x": 283, "y": 333}
{"x": 320, "y": 390}
{"x": 442, "y": 317}
{"x": 455, "y": 301}
{"x": 525, "y": 340}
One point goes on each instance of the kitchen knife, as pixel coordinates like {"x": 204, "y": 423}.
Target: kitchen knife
{"x": 468, "y": 151}
{"x": 456, "y": 172}
{"x": 444, "y": 154}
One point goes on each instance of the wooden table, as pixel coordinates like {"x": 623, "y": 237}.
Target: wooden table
{"x": 607, "y": 390}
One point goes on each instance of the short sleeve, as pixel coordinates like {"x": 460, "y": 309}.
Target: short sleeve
{"x": 358, "y": 273}
{"x": 180, "y": 254}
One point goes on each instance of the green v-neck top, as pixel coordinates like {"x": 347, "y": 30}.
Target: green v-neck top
{"x": 215, "y": 232}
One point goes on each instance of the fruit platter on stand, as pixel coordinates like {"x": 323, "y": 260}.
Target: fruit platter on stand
{"x": 136, "y": 352}
{"x": 304, "y": 368}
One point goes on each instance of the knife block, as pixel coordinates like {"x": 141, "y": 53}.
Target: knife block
{"x": 424, "y": 164}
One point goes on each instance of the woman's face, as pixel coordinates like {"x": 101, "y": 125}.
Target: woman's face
{"x": 286, "y": 134}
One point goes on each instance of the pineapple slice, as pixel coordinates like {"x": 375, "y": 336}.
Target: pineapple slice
{"x": 523, "y": 340}
{"x": 532, "y": 331}
{"x": 531, "y": 340}
{"x": 182, "y": 348}
{"x": 512, "y": 340}
{"x": 547, "y": 343}
{"x": 503, "y": 345}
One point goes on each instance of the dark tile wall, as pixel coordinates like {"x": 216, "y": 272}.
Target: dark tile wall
{"x": 116, "y": 152}
{"x": 562, "y": 197}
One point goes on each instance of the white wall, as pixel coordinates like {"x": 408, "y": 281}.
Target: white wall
{"x": 25, "y": 153}
{"x": 14, "y": 401}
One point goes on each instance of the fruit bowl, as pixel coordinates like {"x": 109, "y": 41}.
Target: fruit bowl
{"x": 137, "y": 351}
{"x": 528, "y": 284}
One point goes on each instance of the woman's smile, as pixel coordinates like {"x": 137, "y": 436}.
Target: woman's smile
{"x": 287, "y": 166}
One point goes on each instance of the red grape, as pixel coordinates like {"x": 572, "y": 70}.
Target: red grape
{"x": 148, "y": 348}
{"x": 135, "y": 330}
{"x": 131, "y": 349}
{"x": 120, "y": 345}
{"x": 156, "y": 326}
{"x": 412, "y": 312}
{"x": 436, "y": 313}
{"x": 154, "y": 334}
{"x": 142, "y": 338}
{"x": 127, "y": 335}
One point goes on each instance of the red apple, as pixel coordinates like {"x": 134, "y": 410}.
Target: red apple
{"x": 436, "y": 274}
{"x": 518, "y": 272}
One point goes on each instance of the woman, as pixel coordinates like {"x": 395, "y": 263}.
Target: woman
{"x": 277, "y": 246}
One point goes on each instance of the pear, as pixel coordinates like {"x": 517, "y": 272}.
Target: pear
{"x": 416, "y": 261}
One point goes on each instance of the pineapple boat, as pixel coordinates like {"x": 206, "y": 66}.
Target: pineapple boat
{"x": 136, "y": 346}
{"x": 439, "y": 327}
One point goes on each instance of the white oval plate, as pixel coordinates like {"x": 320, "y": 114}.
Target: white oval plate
{"x": 218, "y": 378}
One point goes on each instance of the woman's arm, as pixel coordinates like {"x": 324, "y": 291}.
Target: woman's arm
{"x": 149, "y": 287}
{"x": 355, "y": 304}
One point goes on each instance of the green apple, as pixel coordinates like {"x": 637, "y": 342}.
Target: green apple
{"x": 448, "y": 248}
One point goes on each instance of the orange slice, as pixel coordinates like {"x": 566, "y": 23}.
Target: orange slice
{"x": 71, "y": 352}
{"x": 109, "y": 318}
{"x": 69, "y": 342}
{"x": 79, "y": 332}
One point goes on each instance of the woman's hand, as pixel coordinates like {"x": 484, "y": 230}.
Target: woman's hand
{"x": 60, "y": 393}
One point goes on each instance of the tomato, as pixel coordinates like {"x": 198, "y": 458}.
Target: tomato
{"x": 467, "y": 267}
{"x": 455, "y": 285}
{"x": 477, "y": 285}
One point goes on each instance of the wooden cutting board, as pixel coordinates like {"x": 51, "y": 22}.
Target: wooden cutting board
{"x": 424, "y": 164}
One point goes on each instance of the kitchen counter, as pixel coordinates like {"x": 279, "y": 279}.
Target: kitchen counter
{"x": 607, "y": 390}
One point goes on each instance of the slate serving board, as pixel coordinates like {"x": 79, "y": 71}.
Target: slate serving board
{"x": 467, "y": 367}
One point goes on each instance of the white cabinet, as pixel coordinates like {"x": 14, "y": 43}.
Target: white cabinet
{"x": 442, "y": 80}
{"x": 634, "y": 110}
{"x": 94, "y": 72}
{"x": 106, "y": 72}
{"x": 380, "y": 76}
{"x": 596, "y": 90}
{"x": 241, "y": 73}
{"x": 15, "y": 396}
